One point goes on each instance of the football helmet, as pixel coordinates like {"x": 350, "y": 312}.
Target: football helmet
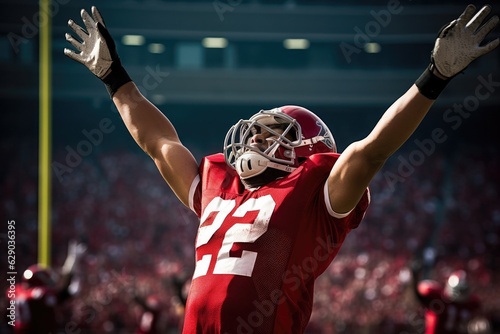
{"x": 36, "y": 275}
{"x": 457, "y": 287}
{"x": 292, "y": 133}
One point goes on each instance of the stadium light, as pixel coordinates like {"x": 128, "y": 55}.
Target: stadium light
{"x": 133, "y": 40}
{"x": 296, "y": 43}
{"x": 214, "y": 42}
{"x": 156, "y": 48}
{"x": 372, "y": 47}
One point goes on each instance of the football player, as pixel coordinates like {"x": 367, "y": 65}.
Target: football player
{"x": 42, "y": 291}
{"x": 451, "y": 308}
{"x": 277, "y": 204}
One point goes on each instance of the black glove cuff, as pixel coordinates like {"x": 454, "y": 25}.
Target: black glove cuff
{"x": 116, "y": 78}
{"x": 431, "y": 85}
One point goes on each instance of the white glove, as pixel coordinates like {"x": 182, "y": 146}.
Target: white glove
{"x": 94, "y": 51}
{"x": 458, "y": 44}
{"x": 97, "y": 51}
{"x": 76, "y": 249}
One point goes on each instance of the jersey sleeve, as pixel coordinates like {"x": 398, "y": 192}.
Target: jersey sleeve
{"x": 317, "y": 176}
{"x": 354, "y": 216}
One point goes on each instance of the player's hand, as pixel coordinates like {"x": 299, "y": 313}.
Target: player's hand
{"x": 94, "y": 48}
{"x": 459, "y": 42}
{"x": 97, "y": 50}
{"x": 76, "y": 249}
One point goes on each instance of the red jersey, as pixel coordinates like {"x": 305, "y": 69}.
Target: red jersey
{"x": 259, "y": 251}
{"x": 443, "y": 316}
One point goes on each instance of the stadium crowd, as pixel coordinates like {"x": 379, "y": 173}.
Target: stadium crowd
{"x": 140, "y": 239}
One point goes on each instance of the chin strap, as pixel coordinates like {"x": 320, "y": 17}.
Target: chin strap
{"x": 266, "y": 176}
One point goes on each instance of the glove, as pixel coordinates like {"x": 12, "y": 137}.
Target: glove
{"x": 97, "y": 51}
{"x": 76, "y": 249}
{"x": 458, "y": 43}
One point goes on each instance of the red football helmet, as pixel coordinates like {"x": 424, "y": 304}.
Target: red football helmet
{"x": 36, "y": 275}
{"x": 301, "y": 134}
{"x": 457, "y": 287}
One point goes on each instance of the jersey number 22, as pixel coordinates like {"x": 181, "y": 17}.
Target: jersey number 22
{"x": 239, "y": 232}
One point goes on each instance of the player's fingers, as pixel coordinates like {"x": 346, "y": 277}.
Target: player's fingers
{"x": 488, "y": 47}
{"x": 466, "y": 16}
{"x": 476, "y": 21}
{"x": 97, "y": 15}
{"x": 87, "y": 20}
{"x": 72, "y": 55}
{"x": 76, "y": 44}
{"x": 78, "y": 30}
{"x": 487, "y": 28}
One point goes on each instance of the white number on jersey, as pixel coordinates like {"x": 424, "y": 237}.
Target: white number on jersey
{"x": 239, "y": 232}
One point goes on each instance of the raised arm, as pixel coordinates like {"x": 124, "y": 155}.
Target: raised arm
{"x": 69, "y": 283}
{"x": 457, "y": 45}
{"x": 149, "y": 127}
{"x": 154, "y": 133}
